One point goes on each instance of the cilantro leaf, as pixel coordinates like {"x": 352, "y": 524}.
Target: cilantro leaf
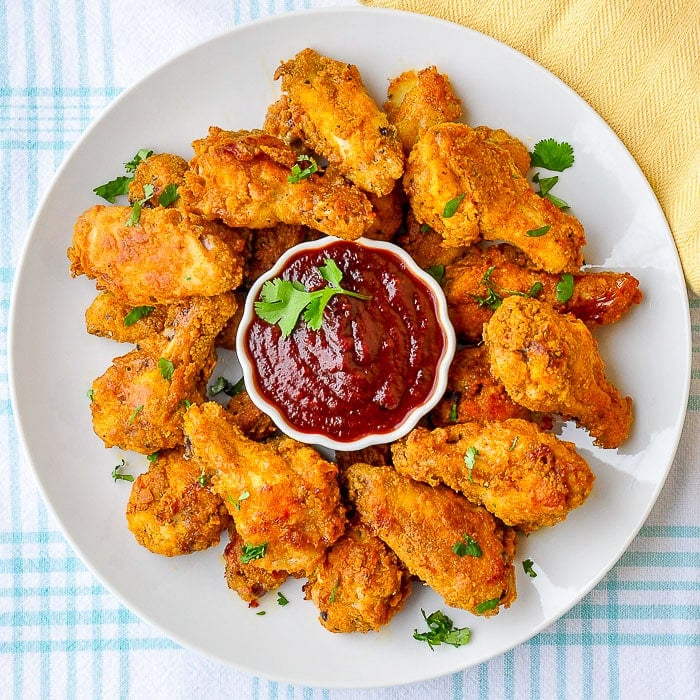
{"x": 468, "y": 547}
{"x": 537, "y": 232}
{"x": 487, "y": 605}
{"x": 224, "y": 385}
{"x": 528, "y": 568}
{"x": 565, "y": 288}
{"x": 552, "y": 155}
{"x": 113, "y": 189}
{"x": 297, "y": 173}
{"x": 116, "y": 473}
{"x": 451, "y": 207}
{"x": 253, "y": 551}
{"x": 140, "y": 156}
{"x": 441, "y": 630}
{"x": 136, "y": 314}
{"x": 168, "y": 196}
{"x": 166, "y": 368}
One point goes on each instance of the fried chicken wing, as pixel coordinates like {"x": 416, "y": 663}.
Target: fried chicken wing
{"x": 524, "y": 476}
{"x": 417, "y": 100}
{"x": 167, "y": 256}
{"x": 360, "y": 585}
{"x": 422, "y": 524}
{"x": 268, "y": 244}
{"x": 477, "y": 283}
{"x": 108, "y": 317}
{"x": 170, "y": 512}
{"x": 337, "y": 118}
{"x": 159, "y": 170}
{"x": 467, "y": 185}
{"x": 283, "y": 496}
{"x": 550, "y": 362}
{"x": 254, "y": 424}
{"x": 248, "y": 580}
{"x": 139, "y": 402}
{"x": 473, "y": 394}
{"x": 241, "y": 178}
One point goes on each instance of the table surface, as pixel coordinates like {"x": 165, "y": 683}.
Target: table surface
{"x": 62, "y": 634}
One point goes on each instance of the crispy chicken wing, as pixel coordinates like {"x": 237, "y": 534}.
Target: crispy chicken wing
{"x": 159, "y": 170}
{"x": 473, "y": 394}
{"x": 254, "y": 424}
{"x": 138, "y": 403}
{"x": 110, "y": 318}
{"x": 268, "y": 244}
{"x": 475, "y": 285}
{"x": 466, "y": 184}
{"x": 248, "y": 580}
{"x": 550, "y": 362}
{"x": 417, "y": 100}
{"x": 241, "y": 177}
{"x": 170, "y": 512}
{"x": 524, "y": 476}
{"x": 283, "y": 496}
{"x": 337, "y": 118}
{"x": 360, "y": 585}
{"x": 167, "y": 256}
{"x": 422, "y": 524}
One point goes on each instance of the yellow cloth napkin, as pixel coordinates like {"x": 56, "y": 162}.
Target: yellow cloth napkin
{"x": 636, "y": 62}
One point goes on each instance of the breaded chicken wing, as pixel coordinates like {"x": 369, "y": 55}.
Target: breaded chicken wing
{"x": 283, "y": 496}
{"x": 268, "y": 244}
{"x": 108, "y": 317}
{"x": 160, "y": 170}
{"x": 139, "y": 402}
{"x": 466, "y": 184}
{"x": 550, "y": 362}
{"x": 242, "y": 178}
{"x": 167, "y": 256}
{"x": 248, "y": 580}
{"x": 170, "y": 512}
{"x": 417, "y": 100}
{"x": 524, "y": 476}
{"x": 473, "y": 394}
{"x": 337, "y": 118}
{"x": 360, "y": 584}
{"x": 424, "y": 524}
{"x": 476, "y": 284}
{"x": 254, "y": 424}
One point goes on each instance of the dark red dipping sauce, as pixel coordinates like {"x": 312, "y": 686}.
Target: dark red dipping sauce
{"x": 369, "y": 365}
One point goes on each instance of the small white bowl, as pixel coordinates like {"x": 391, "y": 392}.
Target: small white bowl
{"x": 413, "y": 416}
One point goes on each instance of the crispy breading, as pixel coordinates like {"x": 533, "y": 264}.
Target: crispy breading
{"x": 376, "y": 455}
{"x": 360, "y": 584}
{"x": 268, "y": 244}
{"x": 106, "y": 317}
{"x": 241, "y": 177}
{"x": 472, "y": 393}
{"x": 168, "y": 256}
{"x": 474, "y": 174}
{"x": 550, "y": 362}
{"x": 417, "y": 100}
{"x": 138, "y": 403}
{"x": 248, "y": 580}
{"x": 254, "y": 424}
{"x": 339, "y": 120}
{"x": 422, "y": 524}
{"x": 476, "y": 284}
{"x": 523, "y": 475}
{"x": 389, "y": 215}
{"x": 159, "y": 170}
{"x": 283, "y": 496}
{"x": 170, "y": 512}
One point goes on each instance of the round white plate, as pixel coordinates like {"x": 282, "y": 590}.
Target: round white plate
{"x": 228, "y": 82}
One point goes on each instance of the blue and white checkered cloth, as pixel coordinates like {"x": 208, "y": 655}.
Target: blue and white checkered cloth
{"x": 62, "y": 635}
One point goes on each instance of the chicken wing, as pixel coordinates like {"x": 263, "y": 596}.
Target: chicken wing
{"x": 360, "y": 585}
{"x": 108, "y": 317}
{"x": 524, "y": 476}
{"x": 160, "y": 170}
{"x": 243, "y": 178}
{"x": 417, "y": 100}
{"x": 254, "y": 424}
{"x": 283, "y": 496}
{"x": 466, "y": 184}
{"x": 550, "y": 362}
{"x": 139, "y": 402}
{"x": 170, "y": 510}
{"x": 426, "y": 525}
{"x": 167, "y": 256}
{"x": 338, "y": 119}
{"x": 473, "y": 394}
{"x": 475, "y": 286}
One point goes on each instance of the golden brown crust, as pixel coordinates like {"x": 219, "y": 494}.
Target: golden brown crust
{"x": 159, "y": 170}
{"x": 106, "y": 316}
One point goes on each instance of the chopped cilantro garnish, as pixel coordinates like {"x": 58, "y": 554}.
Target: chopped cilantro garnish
{"x": 140, "y": 156}
{"x": 442, "y": 631}
{"x": 451, "y": 207}
{"x": 168, "y": 196}
{"x": 137, "y": 313}
{"x": 437, "y": 272}
{"x": 552, "y": 155}
{"x": 137, "y": 206}
{"x": 282, "y": 600}
{"x": 298, "y": 173}
{"x": 113, "y": 189}
{"x": 528, "y": 568}
{"x": 166, "y": 368}
{"x": 537, "y": 232}
{"x": 253, "y": 551}
{"x": 134, "y": 413}
{"x": 565, "y": 288}
{"x": 487, "y": 605}
{"x": 117, "y": 475}
{"x": 467, "y": 546}
{"x": 470, "y": 460}
{"x": 224, "y": 385}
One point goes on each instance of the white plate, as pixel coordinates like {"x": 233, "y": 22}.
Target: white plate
{"x": 228, "y": 82}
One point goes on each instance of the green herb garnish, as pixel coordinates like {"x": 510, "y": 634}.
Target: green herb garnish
{"x": 237, "y": 501}
{"x": 91, "y": 394}
{"x": 453, "y": 412}
{"x": 544, "y": 185}
{"x": 152, "y": 457}
{"x": 166, "y": 368}
{"x": 451, "y": 207}
{"x": 552, "y": 155}
{"x": 298, "y": 173}
{"x": 203, "y": 478}
{"x": 467, "y": 547}
{"x": 120, "y": 185}
{"x": 168, "y": 196}
{"x": 137, "y": 313}
{"x": 140, "y": 156}
{"x": 495, "y": 293}
{"x": 253, "y": 551}
{"x": 117, "y": 475}
{"x": 565, "y": 288}
{"x": 528, "y": 567}
{"x": 437, "y": 272}
{"x": 514, "y": 443}
{"x": 470, "y": 460}
{"x": 487, "y": 605}
{"x": 283, "y": 301}
{"x": 224, "y": 385}
{"x": 281, "y": 599}
{"x": 537, "y": 232}
{"x": 134, "y": 413}
{"x": 442, "y": 631}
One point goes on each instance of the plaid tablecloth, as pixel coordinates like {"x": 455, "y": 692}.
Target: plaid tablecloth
{"x": 62, "y": 634}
